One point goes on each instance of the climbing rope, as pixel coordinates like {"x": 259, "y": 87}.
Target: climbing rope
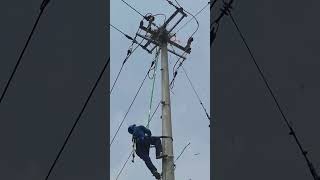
{"x": 153, "y": 83}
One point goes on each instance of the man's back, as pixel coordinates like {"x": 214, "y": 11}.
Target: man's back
{"x": 140, "y": 131}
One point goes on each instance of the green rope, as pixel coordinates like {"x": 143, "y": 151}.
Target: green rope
{"x": 152, "y": 90}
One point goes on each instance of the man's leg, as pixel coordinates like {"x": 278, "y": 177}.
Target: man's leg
{"x": 157, "y": 143}
{"x": 143, "y": 153}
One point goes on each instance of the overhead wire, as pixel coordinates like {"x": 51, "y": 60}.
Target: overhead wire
{"x": 194, "y": 17}
{"x": 131, "y": 103}
{"x": 78, "y": 118}
{"x": 158, "y": 105}
{"x": 136, "y": 11}
{"x": 292, "y": 131}
{"x": 124, "y": 165}
{"x": 42, "y": 8}
{"x": 194, "y": 90}
{"x": 133, "y": 8}
{"x": 129, "y": 53}
{"x": 212, "y": 3}
{"x": 153, "y": 84}
{"x": 191, "y": 18}
{"x": 216, "y": 23}
{"x": 175, "y": 71}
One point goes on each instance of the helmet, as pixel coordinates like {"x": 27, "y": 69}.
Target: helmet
{"x": 131, "y": 128}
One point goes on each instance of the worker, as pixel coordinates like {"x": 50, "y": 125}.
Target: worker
{"x": 143, "y": 138}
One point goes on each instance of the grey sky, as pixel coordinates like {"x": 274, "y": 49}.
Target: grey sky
{"x": 189, "y": 121}
{"x": 250, "y": 138}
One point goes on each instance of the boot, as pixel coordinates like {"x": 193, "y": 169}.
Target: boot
{"x": 161, "y": 155}
{"x": 156, "y": 175}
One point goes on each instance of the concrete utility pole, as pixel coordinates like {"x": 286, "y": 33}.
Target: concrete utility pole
{"x": 167, "y": 163}
{"x": 161, "y": 37}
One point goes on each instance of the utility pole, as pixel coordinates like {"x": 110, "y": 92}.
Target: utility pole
{"x": 167, "y": 163}
{"x": 160, "y": 37}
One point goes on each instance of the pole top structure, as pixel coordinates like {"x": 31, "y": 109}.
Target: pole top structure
{"x": 160, "y": 37}
{"x": 156, "y": 36}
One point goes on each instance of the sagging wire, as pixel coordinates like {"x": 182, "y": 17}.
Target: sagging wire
{"x": 199, "y": 99}
{"x": 132, "y": 152}
{"x": 161, "y": 14}
{"x": 42, "y": 8}
{"x": 192, "y": 18}
{"x": 78, "y": 118}
{"x": 216, "y": 24}
{"x": 175, "y": 71}
{"x": 213, "y": 33}
{"x": 130, "y": 51}
{"x": 153, "y": 83}
{"x": 152, "y": 64}
{"x": 154, "y": 67}
{"x": 226, "y": 10}
{"x": 173, "y": 167}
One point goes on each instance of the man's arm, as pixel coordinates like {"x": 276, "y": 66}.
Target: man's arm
{"x": 147, "y": 131}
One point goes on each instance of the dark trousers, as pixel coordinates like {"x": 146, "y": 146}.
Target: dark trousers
{"x": 143, "y": 147}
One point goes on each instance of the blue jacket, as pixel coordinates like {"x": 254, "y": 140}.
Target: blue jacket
{"x": 139, "y": 132}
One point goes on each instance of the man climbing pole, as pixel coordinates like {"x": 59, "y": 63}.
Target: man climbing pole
{"x": 143, "y": 139}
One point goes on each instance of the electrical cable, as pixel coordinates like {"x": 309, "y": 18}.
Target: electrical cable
{"x": 129, "y": 53}
{"x": 120, "y": 172}
{"x": 292, "y": 132}
{"x": 131, "y": 103}
{"x": 123, "y": 63}
{"x": 212, "y": 3}
{"x": 78, "y": 118}
{"x": 191, "y": 19}
{"x": 153, "y": 83}
{"x": 161, "y": 14}
{"x": 133, "y": 8}
{"x": 42, "y": 8}
{"x": 194, "y": 90}
{"x": 194, "y": 17}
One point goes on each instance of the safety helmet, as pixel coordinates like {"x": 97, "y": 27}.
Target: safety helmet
{"x": 131, "y": 128}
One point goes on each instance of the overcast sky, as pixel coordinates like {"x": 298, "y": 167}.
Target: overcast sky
{"x": 188, "y": 119}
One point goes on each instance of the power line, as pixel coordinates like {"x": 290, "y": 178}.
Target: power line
{"x": 42, "y": 8}
{"x": 126, "y": 35}
{"x": 78, "y": 118}
{"x": 212, "y": 3}
{"x": 214, "y": 30}
{"x": 137, "y": 11}
{"x": 175, "y": 72}
{"x": 133, "y": 8}
{"x": 123, "y": 63}
{"x": 131, "y": 104}
{"x": 191, "y": 18}
{"x": 124, "y": 165}
{"x": 194, "y": 17}
{"x": 129, "y": 53}
{"x": 182, "y": 151}
{"x": 120, "y": 172}
{"x": 292, "y": 132}
{"x": 194, "y": 90}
